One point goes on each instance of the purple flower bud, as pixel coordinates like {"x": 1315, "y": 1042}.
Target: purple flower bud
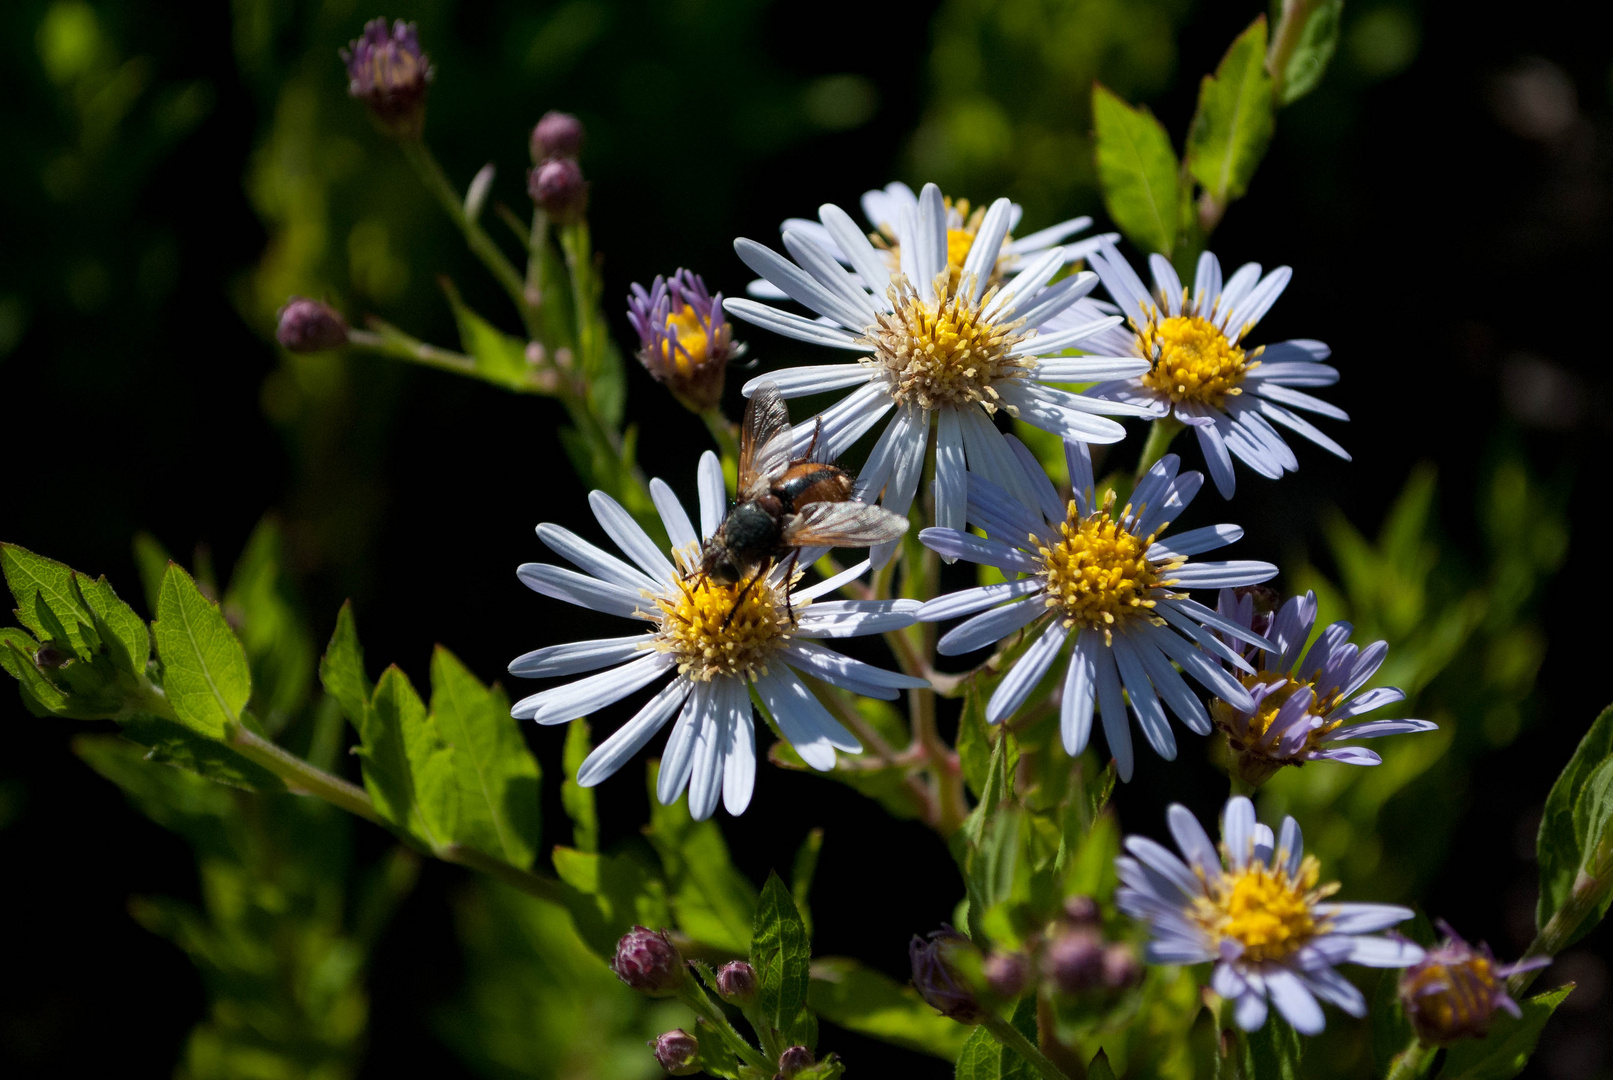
{"x": 1120, "y": 967}
{"x": 647, "y": 961}
{"x": 793, "y": 1061}
{"x": 310, "y": 326}
{"x": 1082, "y": 910}
{"x": 736, "y": 982}
{"x": 936, "y": 977}
{"x": 558, "y": 134}
{"x": 1007, "y": 974}
{"x": 557, "y": 186}
{"x": 1455, "y": 989}
{"x": 1074, "y": 961}
{"x": 678, "y": 1052}
{"x": 389, "y": 74}
{"x": 684, "y": 341}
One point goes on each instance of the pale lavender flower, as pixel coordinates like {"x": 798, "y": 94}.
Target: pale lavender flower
{"x": 1453, "y": 992}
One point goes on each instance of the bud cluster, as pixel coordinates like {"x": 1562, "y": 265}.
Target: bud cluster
{"x": 556, "y": 182}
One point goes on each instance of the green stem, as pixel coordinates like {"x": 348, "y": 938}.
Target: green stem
{"x": 1009, "y": 1036}
{"x": 1239, "y": 786}
{"x": 1411, "y": 1062}
{"x": 1285, "y": 38}
{"x": 436, "y": 181}
{"x": 301, "y": 777}
{"x": 1160, "y": 434}
{"x": 1590, "y": 888}
{"x": 390, "y": 341}
{"x": 694, "y": 997}
{"x": 528, "y": 882}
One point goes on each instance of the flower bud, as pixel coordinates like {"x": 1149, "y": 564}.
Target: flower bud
{"x": 1082, "y": 910}
{"x": 1074, "y": 961}
{"x": 647, "y": 961}
{"x": 1455, "y": 989}
{"x": 936, "y": 977}
{"x": 558, "y": 134}
{"x": 389, "y": 74}
{"x": 557, "y": 185}
{"x": 736, "y": 983}
{"x": 1121, "y": 971}
{"x": 678, "y": 1052}
{"x": 309, "y": 326}
{"x": 1007, "y": 974}
{"x": 793, "y": 1061}
{"x": 684, "y": 341}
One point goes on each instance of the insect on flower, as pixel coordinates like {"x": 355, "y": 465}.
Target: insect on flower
{"x": 786, "y": 503}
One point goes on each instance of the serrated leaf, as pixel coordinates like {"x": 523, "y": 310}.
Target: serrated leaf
{"x": 495, "y": 772}
{"x": 151, "y": 559}
{"x": 1233, "y": 124}
{"x": 1137, "y": 169}
{"x": 984, "y": 1058}
{"x": 341, "y": 669}
{"x": 58, "y": 603}
{"x": 408, "y": 769}
{"x": 1317, "y": 43}
{"x": 1505, "y": 1051}
{"x": 869, "y": 1002}
{"x": 974, "y": 741}
{"x": 179, "y": 746}
{"x": 781, "y": 955}
{"x": 1559, "y": 846}
{"x": 205, "y": 673}
{"x": 714, "y": 903}
{"x": 500, "y": 357}
{"x": 261, "y": 606}
{"x": 609, "y": 895}
{"x": 577, "y": 800}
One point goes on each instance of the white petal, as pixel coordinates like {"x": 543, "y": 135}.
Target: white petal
{"x": 854, "y": 245}
{"x": 593, "y": 560}
{"x": 990, "y": 627}
{"x": 673, "y": 516}
{"x": 1026, "y": 672}
{"x": 802, "y": 287}
{"x": 630, "y": 536}
{"x": 561, "y": 704}
{"x": 794, "y": 382}
{"x": 791, "y": 326}
{"x": 630, "y": 738}
{"x": 802, "y": 719}
{"x": 574, "y": 657}
{"x": 951, "y": 480}
{"x": 988, "y": 242}
{"x": 678, "y": 757}
{"x": 579, "y": 589}
{"x": 1080, "y": 691}
{"x": 713, "y": 494}
{"x": 739, "y": 763}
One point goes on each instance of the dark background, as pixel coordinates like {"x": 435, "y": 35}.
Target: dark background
{"x": 1444, "y": 199}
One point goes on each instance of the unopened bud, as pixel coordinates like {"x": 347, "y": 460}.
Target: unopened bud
{"x": 736, "y": 982}
{"x": 1007, "y": 974}
{"x": 1120, "y": 967}
{"x": 684, "y": 340}
{"x": 1074, "y": 961}
{"x": 557, "y": 185}
{"x": 936, "y": 977}
{"x": 1082, "y": 910}
{"x": 389, "y": 74}
{"x": 647, "y": 961}
{"x": 51, "y": 655}
{"x": 678, "y": 1052}
{"x": 558, "y": 134}
{"x": 1454, "y": 990}
{"x": 307, "y": 326}
{"x": 794, "y": 1061}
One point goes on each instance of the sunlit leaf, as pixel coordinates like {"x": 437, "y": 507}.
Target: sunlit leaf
{"x": 1565, "y": 828}
{"x": 860, "y": 999}
{"x": 1505, "y": 1051}
{"x": 1138, "y": 171}
{"x": 781, "y": 955}
{"x": 205, "y": 672}
{"x": 984, "y": 1058}
{"x": 408, "y": 769}
{"x": 577, "y": 800}
{"x": 1233, "y": 124}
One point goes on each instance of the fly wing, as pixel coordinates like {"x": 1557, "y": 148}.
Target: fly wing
{"x": 843, "y": 524}
{"x": 764, "y": 444}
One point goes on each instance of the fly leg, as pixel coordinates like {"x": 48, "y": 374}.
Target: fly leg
{"x": 789, "y": 572}
{"x": 742, "y": 592}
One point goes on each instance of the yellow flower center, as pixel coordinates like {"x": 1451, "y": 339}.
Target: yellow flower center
{"x": 1193, "y": 361}
{"x": 696, "y": 347}
{"x": 959, "y": 241}
{"x": 1250, "y": 736}
{"x": 722, "y": 630}
{"x": 943, "y": 352}
{"x": 1453, "y": 999}
{"x": 1264, "y": 910}
{"x": 1098, "y": 571}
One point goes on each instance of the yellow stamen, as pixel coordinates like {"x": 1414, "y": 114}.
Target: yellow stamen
{"x": 1098, "y": 572}
{"x": 1250, "y": 736}
{"x": 715, "y": 631}
{"x": 1193, "y": 360}
{"x": 1265, "y": 910}
{"x": 944, "y": 352}
{"x": 696, "y": 348}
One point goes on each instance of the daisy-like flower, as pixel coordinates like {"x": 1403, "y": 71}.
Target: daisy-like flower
{"x": 1302, "y": 697}
{"x": 710, "y": 643}
{"x": 1102, "y": 578}
{"x": 885, "y": 207}
{"x": 1255, "y": 909}
{"x": 1453, "y": 992}
{"x": 1200, "y": 369}
{"x": 684, "y": 341}
{"x": 957, "y": 353}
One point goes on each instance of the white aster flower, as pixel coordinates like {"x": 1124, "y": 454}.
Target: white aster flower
{"x": 958, "y": 352}
{"x": 1103, "y": 578}
{"x": 1256, "y": 910}
{"x": 1200, "y": 370}
{"x": 714, "y": 643}
{"x": 884, "y": 207}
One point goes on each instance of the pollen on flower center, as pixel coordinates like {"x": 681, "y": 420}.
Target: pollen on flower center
{"x": 1193, "y": 360}
{"x": 944, "y": 352}
{"x": 1264, "y": 910}
{"x": 1098, "y": 571}
{"x": 722, "y": 630}
{"x": 1250, "y": 735}
{"x": 685, "y": 326}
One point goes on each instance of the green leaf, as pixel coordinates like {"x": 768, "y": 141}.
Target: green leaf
{"x": 205, "y": 673}
{"x": 151, "y": 559}
{"x": 115, "y": 622}
{"x": 1560, "y": 845}
{"x": 860, "y": 999}
{"x": 974, "y": 741}
{"x": 180, "y": 746}
{"x": 341, "y": 670}
{"x": 1272, "y": 1052}
{"x": 408, "y": 769}
{"x": 40, "y": 696}
{"x": 806, "y": 865}
{"x": 611, "y": 893}
{"x": 59, "y": 604}
{"x": 1100, "y": 1069}
{"x": 1233, "y": 125}
{"x": 1138, "y": 171}
{"x": 577, "y": 800}
{"x": 1506, "y": 1049}
{"x": 500, "y": 358}
{"x": 495, "y": 772}
{"x": 781, "y": 955}
{"x": 984, "y": 1058}
{"x": 714, "y": 903}
{"x": 23, "y": 656}
{"x": 1317, "y": 41}
{"x": 260, "y": 604}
